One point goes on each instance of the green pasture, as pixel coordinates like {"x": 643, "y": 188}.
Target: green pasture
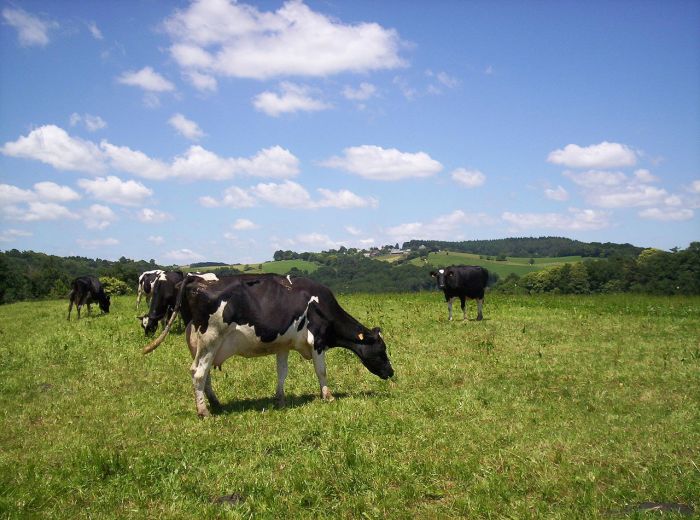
{"x": 552, "y": 407}
{"x": 277, "y": 267}
{"x": 517, "y": 265}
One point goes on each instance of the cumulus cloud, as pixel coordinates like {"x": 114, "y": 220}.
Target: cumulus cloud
{"x": 243, "y": 224}
{"x": 113, "y": 189}
{"x": 10, "y": 235}
{"x": 226, "y": 38}
{"x": 37, "y": 204}
{"x": 51, "y": 191}
{"x": 52, "y": 145}
{"x": 146, "y": 79}
{"x": 631, "y": 195}
{"x": 574, "y": 220}
{"x": 361, "y": 93}
{"x": 31, "y": 30}
{"x": 344, "y": 199}
{"x": 236, "y": 197}
{"x": 694, "y": 187}
{"x": 186, "y": 127}
{"x": 374, "y": 162}
{"x": 603, "y": 155}
{"x": 92, "y": 123}
{"x": 558, "y": 193}
{"x": 288, "y": 194}
{"x": 11, "y": 195}
{"x": 292, "y": 98}
{"x": 39, "y": 211}
{"x": 152, "y": 216}
{"x": 444, "y": 227}
{"x": 98, "y": 216}
{"x": 468, "y": 178}
{"x": 156, "y": 240}
{"x": 667, "y": 214}
{"x": 183, "y": 256}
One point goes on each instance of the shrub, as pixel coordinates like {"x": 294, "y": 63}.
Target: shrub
{"x": 114, "y": 285}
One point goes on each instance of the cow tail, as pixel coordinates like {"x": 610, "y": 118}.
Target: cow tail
{"x": 156, "y": 342}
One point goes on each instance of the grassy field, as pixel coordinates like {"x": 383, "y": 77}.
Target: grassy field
{"x": 552, "y": 407}
{"x": 277, "y": 267}
{"x": 517, "y": 265}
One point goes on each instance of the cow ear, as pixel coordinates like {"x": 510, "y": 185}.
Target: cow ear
{"x": 433, "y": 274}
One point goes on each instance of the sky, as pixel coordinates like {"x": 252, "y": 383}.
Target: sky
{"x": 216, "y": 130}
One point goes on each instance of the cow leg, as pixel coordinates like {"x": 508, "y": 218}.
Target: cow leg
{"x": 70, "y": 307}
{"x": 282, "y": 369}
{"x": 463, "y": 302}
{"x": 449, "y": 309}
{"x": 201, "y": 366}
{"x": 138, "y": 298}
{"x": 209, "y": 392}
{"x": 479, "y": 306}
{"x": 319, "y": 359}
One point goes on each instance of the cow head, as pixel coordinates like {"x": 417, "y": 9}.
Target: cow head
{"x": 104, "y": 302}
{"x": 444, "y": 277}
{"x": 372, "y": 352}
{"x": 148, "y": 324}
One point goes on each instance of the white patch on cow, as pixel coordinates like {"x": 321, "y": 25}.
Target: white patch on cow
{"x": 289, "y": 279}
{"x": 313, "y": 299}
{"x": 161, "y": 277}
{"x": 208, "y": 277}
{"x": 144, "y": 321}
{"x": 441, "y": 271}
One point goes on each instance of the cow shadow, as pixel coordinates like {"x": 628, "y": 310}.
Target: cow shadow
{"x": 269, "y": 403}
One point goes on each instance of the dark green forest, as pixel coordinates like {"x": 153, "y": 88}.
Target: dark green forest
{"x": 27, "y": 275}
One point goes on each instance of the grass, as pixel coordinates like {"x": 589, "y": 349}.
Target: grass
{"x": 552, "y": 407}
{"x": 517, "y": 265}
{"x": 277, "y": 266}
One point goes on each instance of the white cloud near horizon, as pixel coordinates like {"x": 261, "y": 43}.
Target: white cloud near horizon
{"x": 99, "y": 217}
{"x": 243, "y": 224}
{"x": 31, "y": 30}
{"x": 183, "y": 256}
{"x": 598, "y": 156}
{"x": 450, "y": 226}
{"x": 377, "y": 163}
{"x": 575, "y": 220}
{"x": 97, "y": 242}
{"x": 230, "y": 39}
{"x": 113, "y": 189}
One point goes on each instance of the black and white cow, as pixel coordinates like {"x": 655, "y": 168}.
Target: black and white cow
{"x": 260, "y": 315}
{"x": 86, "y": 290}
{"x": 163, "y": 299}
{"x": 146, "y": 280}
{"x": 463, "y": 282}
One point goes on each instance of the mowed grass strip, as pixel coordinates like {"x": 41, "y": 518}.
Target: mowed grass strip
{"x": 557, "y": 407}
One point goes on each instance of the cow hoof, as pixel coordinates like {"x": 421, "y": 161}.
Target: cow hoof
{"x": 203, "y": 414}
{"x": 327, "y": 396}
{"x": 280, "y": 402}
{"x": 479, "y": 318}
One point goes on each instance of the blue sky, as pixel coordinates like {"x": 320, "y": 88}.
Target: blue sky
{"x": 217, "y": 130}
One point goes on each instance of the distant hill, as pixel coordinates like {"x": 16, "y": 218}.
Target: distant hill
{"x": 209, "y": 264}
{"x": 530, "y": 247}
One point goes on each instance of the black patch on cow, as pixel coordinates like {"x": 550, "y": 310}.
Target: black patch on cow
{"x": 301, "y": 323}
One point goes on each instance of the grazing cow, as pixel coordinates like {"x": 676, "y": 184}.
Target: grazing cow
{"x": 163, "y": 299}
{"x": 259, "y": 315}
{"x": 463, "y": 282}
{"x": 86, "y": 290}
{"x": 146, "y": 280}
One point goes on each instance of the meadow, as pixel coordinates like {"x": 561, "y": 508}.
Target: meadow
{"x": 552, "y": 407}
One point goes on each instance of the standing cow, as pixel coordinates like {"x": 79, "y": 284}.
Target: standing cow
{"x": 86, "y": 290}
{"x": 463, "y": 282}
{"x": 260, "y": 315}
{"x": 163, "y": 300}
{"x": 146, "y": 280}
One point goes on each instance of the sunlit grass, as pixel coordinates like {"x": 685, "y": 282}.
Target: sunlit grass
{"x": 557, "y": 407}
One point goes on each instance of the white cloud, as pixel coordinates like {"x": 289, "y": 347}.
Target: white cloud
{"x": 125, "y": 159}
{"x": 234, "y": 197}
{"x": 31, "y": 30}
{"x": 353, "y": 230}
{"x": 694, "y": 186}
{"x": 644, "y": 176}
{"x": 186, "y": 127}
{"x": 92, "y": 123}
{"x": 10, "y": 235}
{"x": 183, "y": 256}
{"x": 558, "y": 193}
{"x": 152, "y": 216}
{"x": 317, "y": 241}
{"x": 99, "y": 242}
{"x": 362, "y": 93}
{"x": 344, "y": 199}
{"x": 52, "y": 145}
{"x": 146, "y": 79}
{"x": 374, "y": 162}
{"x": 667, "y": 214}
{"x": 11, "y": 195}
{"x": 156, "y": 240}
{"x": 243, "y": 224}
{"x": 95, "y": 31}
{"x": 292, "y": 98}
{"x": 444, "y": 227}
{"x": 274, "y": 162}
{"x": 468, "y": 178}
{"x": 443, "y": 80}
{"x": 224, "y": 38}
{"x": 628, "y": 196}
{"x": 288, "y": 194}
{"x": 113, "y": 189}
{"x": 51, "y": 191}
{"x": 99, "y": 217}
{"x": 39, "y": 211}
{"x": 575, "y": 220}
{"x": 596, "y": 179}
{"x": 602, "y": 155}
